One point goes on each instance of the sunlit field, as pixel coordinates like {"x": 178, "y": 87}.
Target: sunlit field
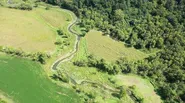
{"x": 25, "y": 82}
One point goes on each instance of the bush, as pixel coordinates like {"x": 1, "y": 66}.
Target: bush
{"x": 58, "y": 42}
{"x": 60, "y": 32}
{"x": 62, "y": 76}
{"x": 38, "y": 56}
{"x": 47, "y": 8}
{"x": 81, "y": 63}
{"x": 1, "y": 4}
{"x": 24, "y": 6}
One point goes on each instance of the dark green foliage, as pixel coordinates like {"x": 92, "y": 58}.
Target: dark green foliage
{"x": 60, "y": 32}
{"x": 138, "y": 23}
{"x": 101, "y": 64}
{"x": 58, "y": 42}
{"x": 122, "y": 92}
{"x": 81, "y": 63}
{"x": 62, "y": 76}
{"x": 38, "y": 56}
{"x": 24, "y": 6}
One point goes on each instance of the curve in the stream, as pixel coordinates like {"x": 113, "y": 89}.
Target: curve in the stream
{"x": 70, "y": 55}
{"x": 67, "y": 57}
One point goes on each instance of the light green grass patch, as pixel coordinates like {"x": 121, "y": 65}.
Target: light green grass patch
{"x": 20, "y": 29}
{"x": 55, "y": 17}
{"x": 32, "y": 30}
{"x": 82, "y": 50}
{"x": 143, "y": 87}
{"x": 25, "y": 82}
{"x": 109, "y": 49}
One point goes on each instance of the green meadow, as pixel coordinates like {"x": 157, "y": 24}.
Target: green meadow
{"x": 109, "y": 49}
{"x": 25, "y": 82}
{"x": 25, "y": 29}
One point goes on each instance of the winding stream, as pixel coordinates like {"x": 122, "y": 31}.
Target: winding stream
{"x": 70, "y": 55}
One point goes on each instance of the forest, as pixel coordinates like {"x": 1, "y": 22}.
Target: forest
{"x": 145, "y": 25}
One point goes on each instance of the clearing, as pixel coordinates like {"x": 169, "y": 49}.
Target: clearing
{"x": 32, "y": 30}
{"x": 143, "y": 87}
{"x": 25, "y": 82}
{"x": 109, "y": 49}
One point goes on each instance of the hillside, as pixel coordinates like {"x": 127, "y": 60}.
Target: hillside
{"x": 92, "y": 51}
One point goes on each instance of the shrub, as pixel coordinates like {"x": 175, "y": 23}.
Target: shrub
{"x": 1, "y": 4}
{"x": 58, "y": 42}
{"x": 81, "y": 63}
{"x": 38, "y": 56}
{"x": 60, "y": 32}
{"x": 24, "y": 6}
{"x": 47, "y": 7}
{"x": 62, "y": 76}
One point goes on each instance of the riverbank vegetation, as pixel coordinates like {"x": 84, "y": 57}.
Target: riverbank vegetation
{"x": 143, "y": 24}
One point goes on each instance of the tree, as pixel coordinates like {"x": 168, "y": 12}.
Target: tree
{"x": 118, "y": 15}
{"x": 160, "y": 43}
{"x": 60, "y": 32}
{"x": 122, "y": 92}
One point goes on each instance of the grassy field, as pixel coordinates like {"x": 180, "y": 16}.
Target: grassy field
{"x": 109, "y": 49}
{"x": 32, "y": 30}
{"x": 143, "y": 87}
{"x": 25, "y": 82}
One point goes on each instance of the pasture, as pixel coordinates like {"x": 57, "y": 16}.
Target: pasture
{"x": 109, "y": 49}
{"x": 143, "y": 87}
{"x": 24, "y": 81}
{"x": 32, "y": 30}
